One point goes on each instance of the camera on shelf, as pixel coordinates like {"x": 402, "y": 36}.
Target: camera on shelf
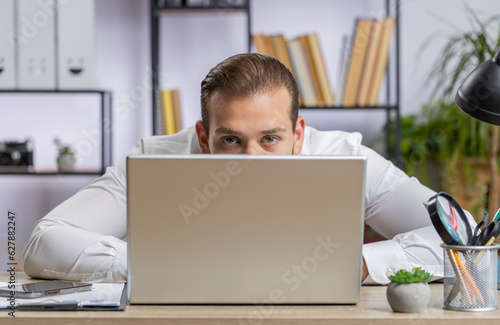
{"x": 16, "y": 157}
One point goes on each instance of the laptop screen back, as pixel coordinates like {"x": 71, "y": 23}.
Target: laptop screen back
{"x": 244, "y": 229}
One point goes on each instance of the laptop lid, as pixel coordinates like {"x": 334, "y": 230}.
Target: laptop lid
{"x": 244, "y": 229}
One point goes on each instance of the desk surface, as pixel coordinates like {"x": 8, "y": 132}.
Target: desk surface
{"x": 373, "y": 309}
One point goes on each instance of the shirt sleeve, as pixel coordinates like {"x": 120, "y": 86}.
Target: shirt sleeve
{"x": 84, "y": 237}
{"x": 395, "y": 209}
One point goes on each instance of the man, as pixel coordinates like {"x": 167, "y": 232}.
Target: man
{"x": 249, "y": 106}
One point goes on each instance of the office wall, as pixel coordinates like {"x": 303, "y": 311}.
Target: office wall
{"x": 437, "y": 20}
{"x": 190, "y": 47}
{"x": 122, "y": 66}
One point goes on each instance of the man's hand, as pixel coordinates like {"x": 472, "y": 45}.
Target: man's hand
{"x": 364, "y": 271}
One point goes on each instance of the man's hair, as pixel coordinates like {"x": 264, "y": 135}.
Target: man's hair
{"x": 247, "y": 74}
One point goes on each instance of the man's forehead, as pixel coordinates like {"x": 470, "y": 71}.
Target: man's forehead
{"x": 220, "y": 95}
{"x": 260, "y": 113}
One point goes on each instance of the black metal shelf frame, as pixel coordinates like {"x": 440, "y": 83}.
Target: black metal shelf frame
{"x": 156, "y": 11}
{"x": 106, "y": 102}
{"x": 393, "y": 119}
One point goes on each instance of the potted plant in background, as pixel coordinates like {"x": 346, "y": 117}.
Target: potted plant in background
{"x": 472, "y": 171}
{"x": 448, "y": 150}
{"x": 409, "y": 292}
{"x": 462, "y": 147}
{"x": 66, "y": 157}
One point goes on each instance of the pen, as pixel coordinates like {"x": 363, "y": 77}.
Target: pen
{"x": 454, "y": 291}
{"x": 489, "y": 243}
{"x": 497, "y": 216}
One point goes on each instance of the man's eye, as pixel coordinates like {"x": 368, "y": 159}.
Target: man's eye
{"x": 229, "y": 140}
{"x": 270, "y": 140}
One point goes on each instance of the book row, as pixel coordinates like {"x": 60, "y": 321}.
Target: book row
{"x": 363, "y": 67}
{"x": 303, "y": 57}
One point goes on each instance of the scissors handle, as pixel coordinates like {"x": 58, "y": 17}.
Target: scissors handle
{"x": 493, "y": 230}
{"x": 480, "y": 226}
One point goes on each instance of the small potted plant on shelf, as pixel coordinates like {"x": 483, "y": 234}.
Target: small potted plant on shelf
{"x": 66, "y": 157}
{"x": 409, "y": 292}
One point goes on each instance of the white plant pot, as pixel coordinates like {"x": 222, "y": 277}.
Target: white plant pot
{"x": 66, "y": 163}
{"x": 408, "y": 297}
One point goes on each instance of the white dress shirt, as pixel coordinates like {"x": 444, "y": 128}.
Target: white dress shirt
{"x": 84, "y": 238}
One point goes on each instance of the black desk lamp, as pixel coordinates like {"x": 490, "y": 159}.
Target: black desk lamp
{"x": 479, "y": 96}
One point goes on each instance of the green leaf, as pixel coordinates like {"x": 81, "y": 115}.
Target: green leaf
{"x": 417, "y": 275}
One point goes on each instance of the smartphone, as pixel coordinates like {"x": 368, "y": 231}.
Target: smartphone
{"x": 43, "y": 289}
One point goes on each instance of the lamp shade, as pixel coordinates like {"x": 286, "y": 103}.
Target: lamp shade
{"x": 479, "y": 94}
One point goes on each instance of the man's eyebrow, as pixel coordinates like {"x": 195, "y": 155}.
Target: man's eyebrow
{"x": 226, "y": 130}
{"x": 275, "y": 130}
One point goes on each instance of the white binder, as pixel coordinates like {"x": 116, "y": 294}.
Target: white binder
{"x": 36, "y": 44}
{"x": 75, "y": 28}
{"x": 7, "y": 45}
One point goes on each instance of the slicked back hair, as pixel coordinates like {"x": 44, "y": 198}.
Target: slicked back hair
{"x": 247, "y": 74}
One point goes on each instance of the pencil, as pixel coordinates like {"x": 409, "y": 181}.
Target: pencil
{"x": 460, "y": 286}
{"x": 467, "y": 276}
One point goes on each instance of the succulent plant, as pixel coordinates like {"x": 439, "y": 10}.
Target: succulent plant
{"x": 417, "y": 275}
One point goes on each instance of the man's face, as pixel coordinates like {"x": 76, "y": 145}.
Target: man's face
{"x": 259, "y": 124}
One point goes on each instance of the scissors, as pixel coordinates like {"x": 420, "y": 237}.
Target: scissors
{"x": 487, "y": 232}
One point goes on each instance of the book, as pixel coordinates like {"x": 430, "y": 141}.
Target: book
{"x": 365, "y": 80}
{"x": 381, "y": 61}
{"x": 343, "y": 66}
{"x": 269, "y": 46}
{"x": 320, "y": 69}
{"x": 160, "y": 121}
{"x": 177, "y": 110}
{"x": 168, "y": 111}
{"x": 304, "y": 40}
{"x": 358, "y": 51}
{"x": 278, "y": 43}
{"x": 258, "y": 42}
{"x": 304, "y": 77}
{"x": 263, "y": 44}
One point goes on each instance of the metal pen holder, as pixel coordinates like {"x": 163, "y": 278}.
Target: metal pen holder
{"x": 470, "y": 277}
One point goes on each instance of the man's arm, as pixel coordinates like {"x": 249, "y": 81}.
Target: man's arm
{"x": 401, "y": 216}
{"x": 395, "y": 210}
{"x": 83, "y": 238}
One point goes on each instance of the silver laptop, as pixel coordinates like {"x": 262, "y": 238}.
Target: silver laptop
{"x": 237, "y": 229}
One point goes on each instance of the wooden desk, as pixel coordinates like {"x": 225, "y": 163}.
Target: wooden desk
{"x": 373, "y": 309}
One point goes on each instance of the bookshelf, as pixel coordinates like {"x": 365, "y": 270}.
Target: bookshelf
{"x": 105, "y": 126}
{"x": 159, "y": 8}
{"x": 391, "y": 105}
